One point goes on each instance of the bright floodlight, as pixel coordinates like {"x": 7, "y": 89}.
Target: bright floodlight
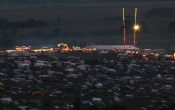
{"x": 136, "y": 27}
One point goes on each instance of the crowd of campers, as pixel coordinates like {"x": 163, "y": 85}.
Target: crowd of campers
{"x": 83, "y": 81}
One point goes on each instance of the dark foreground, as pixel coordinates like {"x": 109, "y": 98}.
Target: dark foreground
{"x": 86, "y": 81}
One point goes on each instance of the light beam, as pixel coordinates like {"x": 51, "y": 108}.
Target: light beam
{"x": 124, "y": 30}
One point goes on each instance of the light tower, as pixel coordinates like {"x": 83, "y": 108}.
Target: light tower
{"x": 136, "y": 27}
{"x": 124, "y": 30}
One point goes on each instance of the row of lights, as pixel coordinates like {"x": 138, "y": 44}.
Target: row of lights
{"x": 63, "y": 48}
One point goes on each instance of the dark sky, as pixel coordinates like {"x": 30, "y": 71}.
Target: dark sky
{"x": 58, "y": 1}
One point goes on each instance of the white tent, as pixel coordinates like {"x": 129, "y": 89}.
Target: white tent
{"x": 112, "y": 47}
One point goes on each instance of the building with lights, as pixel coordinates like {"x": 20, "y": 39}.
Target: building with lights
{"x": 43, "y": 50}
{"x": 23, "y": 48}
{"x": 64, "y": 48}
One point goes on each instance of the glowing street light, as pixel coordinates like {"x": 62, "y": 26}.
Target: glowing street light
{"x": 136, "y": 27}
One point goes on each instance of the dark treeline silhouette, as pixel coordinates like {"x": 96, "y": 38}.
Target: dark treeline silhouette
{"x": 6, "y": 24}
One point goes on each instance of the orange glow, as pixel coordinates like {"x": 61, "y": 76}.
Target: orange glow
{"x": 64, "y": 48}
{"x": 174, "y": 56}
{"x": 43, "y": 50}
{"x": 136, "y": 27}
{"x": 22, "y": 48}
